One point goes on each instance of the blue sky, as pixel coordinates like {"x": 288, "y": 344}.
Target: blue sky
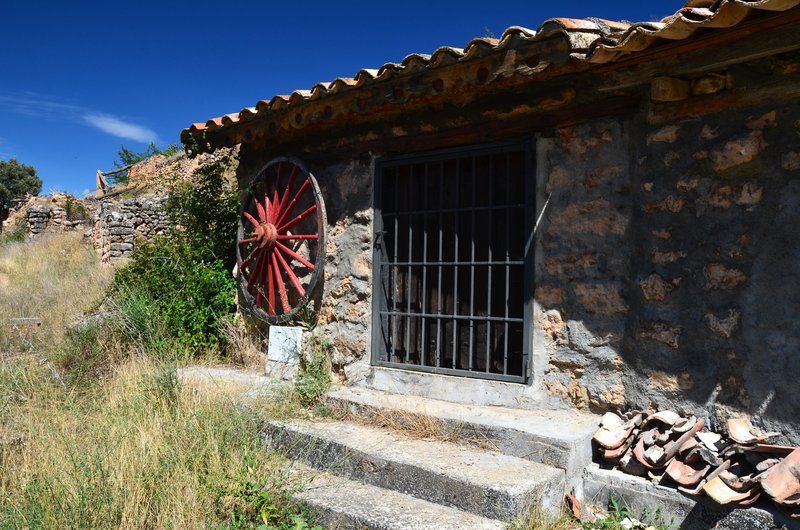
{"x": 79, "y": 79}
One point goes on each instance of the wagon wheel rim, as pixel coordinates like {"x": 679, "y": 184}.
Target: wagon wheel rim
{"x": 280, "y": 250}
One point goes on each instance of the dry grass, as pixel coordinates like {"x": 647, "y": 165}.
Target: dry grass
{"x": 138, "y": 452}
{"x": 243, "y": 345}
{"x": 54, "y": 278}
{"x": 123, "y": 443}
{"x": 414, "y": 425}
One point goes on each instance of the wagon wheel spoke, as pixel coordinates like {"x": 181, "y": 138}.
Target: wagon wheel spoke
{"x": 250, "y": 218}
{"x": 293, "y": 237}
{"x": 290, "y": 208}
{"x": 278, "y": 249}
{"x": 281, "y": 286}
{"x": 297, "y": 219}
{"x": 292, "y": 277}
{"x": 270, "y": 293}
{"x": 294, "y": 255}
{"x": 260, "y": 281}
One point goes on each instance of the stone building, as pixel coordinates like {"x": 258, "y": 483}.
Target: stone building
{"x": 594, "y": 214}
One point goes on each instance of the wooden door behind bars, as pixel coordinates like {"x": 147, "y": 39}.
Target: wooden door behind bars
{"x": 451, "y": 270}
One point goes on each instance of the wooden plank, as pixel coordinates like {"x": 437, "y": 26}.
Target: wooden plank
{"x": 770, "y": 36}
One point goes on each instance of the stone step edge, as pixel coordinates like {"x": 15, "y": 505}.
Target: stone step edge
{"x": 571, "y": 456}
{"x": 322, "y": 447}
{"x": 344, "y": 503}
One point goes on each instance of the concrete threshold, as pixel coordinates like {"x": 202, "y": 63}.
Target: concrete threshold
{"x": 466, "y": 390}
{"x": 485, "y": 483}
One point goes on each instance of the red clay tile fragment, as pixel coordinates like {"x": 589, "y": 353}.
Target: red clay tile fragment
{"x": 709, "y": 439}
{"x": 616, "y": 454}
{"x": 684, "y": 424}
{"x": 667, "y": 417}
{"x": 725, "y": 465}
{"x": 794, "y": 500}
{"x": 720, "y": 492}
{"x": 783, "y": 480}
{"x": 773, "y": 449}
{"x": 684, "y": 474}
{"x": 741, "y": 430}
{"x": 573, "y": 504}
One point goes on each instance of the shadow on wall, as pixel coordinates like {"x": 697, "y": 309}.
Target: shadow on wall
{"x": 668, "y": 266}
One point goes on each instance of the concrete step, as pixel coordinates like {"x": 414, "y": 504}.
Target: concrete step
{"x": 344, "y": 504}
{"x": 559, "y": 438}
{"x": 482, "y": 482}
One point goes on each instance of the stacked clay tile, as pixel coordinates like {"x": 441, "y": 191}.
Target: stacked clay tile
{"x": 734, "y": 469}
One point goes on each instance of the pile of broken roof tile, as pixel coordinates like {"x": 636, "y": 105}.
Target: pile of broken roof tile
{"x": 732, "y": 469}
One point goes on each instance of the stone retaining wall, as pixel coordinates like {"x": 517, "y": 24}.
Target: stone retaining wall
{"x": 117, "y": 224}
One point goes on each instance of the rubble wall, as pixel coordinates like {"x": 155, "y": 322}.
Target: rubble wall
{"x": 57, "y": 212}
{"x": 667, "y": 266}
{"x": 582, "y": 264}
{"x": 118, "y": 224}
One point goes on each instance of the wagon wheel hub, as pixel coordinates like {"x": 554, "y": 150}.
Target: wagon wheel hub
{"x": 266, "y": 234}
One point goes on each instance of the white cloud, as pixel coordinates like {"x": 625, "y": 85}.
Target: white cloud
{"x": 39, "y": 106}
{"x": 32, "y": 104}
{"x": 116, "y": 127}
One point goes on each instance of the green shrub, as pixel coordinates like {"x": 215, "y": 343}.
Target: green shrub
{"x": 76, "y": 211}
{"x": 185, "y": 276}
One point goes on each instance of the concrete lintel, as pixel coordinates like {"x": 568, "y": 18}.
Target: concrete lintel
{"x": 466, "y": 390}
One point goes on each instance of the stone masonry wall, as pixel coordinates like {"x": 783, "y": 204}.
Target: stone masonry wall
{"x": 346, "y": 309}
{"x": 117, "y": 224}
{"x": 717, "y": 264}
{"x": 50, "y": 213}
{"x": 582, "y": 264}
{"x": 667, "y": 266}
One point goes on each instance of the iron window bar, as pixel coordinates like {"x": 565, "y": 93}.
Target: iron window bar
{"x": 440, "y": 319}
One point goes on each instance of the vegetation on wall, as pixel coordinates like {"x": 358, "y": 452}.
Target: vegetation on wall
{"x": 127, "y": 157}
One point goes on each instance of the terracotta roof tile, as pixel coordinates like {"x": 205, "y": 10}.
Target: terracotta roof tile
{"x": 694, "y": 16}
{"x": 591, "y": 41}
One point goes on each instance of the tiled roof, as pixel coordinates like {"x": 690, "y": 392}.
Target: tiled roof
{"x": 695, "y": 16}
{"x": 591, "y": 42}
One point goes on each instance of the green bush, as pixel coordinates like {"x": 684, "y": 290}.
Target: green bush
{"x": 186, "y": 275}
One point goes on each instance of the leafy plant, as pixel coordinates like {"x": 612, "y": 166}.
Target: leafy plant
{"x": 16, "y": 234}
{"x": 620, "y": 517}
{"x": 186, "y": 275}
{"x": 314, "y": 374}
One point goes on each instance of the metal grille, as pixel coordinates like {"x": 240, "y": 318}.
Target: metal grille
{"x": 451, "y": 263}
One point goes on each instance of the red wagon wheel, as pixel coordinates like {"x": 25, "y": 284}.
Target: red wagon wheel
{"x": 281, "y": 240}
